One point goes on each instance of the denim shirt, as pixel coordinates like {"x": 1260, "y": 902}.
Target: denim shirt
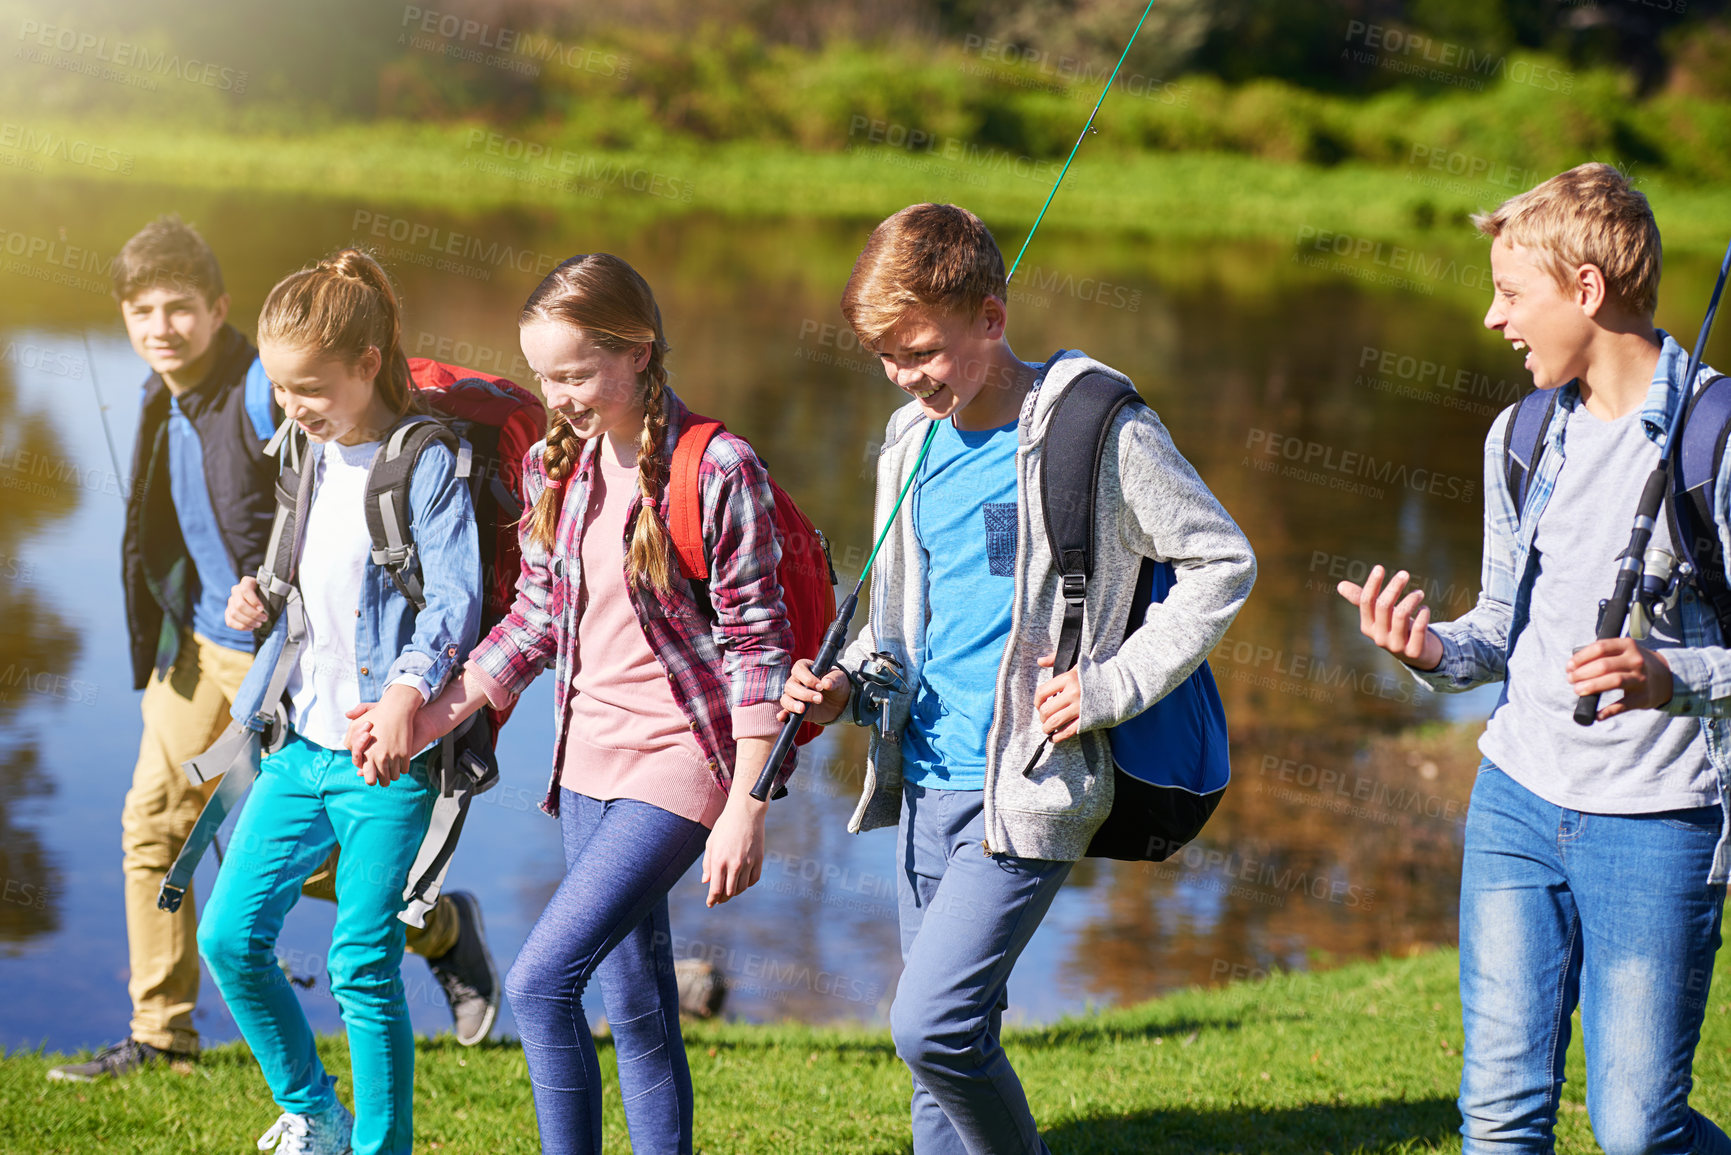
{"x": 391, "y": 639}
{"x": 1476, "y": 646}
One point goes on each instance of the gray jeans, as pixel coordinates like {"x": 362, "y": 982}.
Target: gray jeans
{"x": 965, "y": 919}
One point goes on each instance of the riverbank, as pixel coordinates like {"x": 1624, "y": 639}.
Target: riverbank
{"x": 1341, "y": 210}
{"x": 1364, "y": 1058}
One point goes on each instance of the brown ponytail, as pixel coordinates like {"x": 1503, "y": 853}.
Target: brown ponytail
{"x": 341, "y": 307}
{"x": 610, "y": 302}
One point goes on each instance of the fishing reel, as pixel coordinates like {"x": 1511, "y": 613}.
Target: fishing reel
{"x": 1661, "y": 582}
{"x": 878, "y": 680}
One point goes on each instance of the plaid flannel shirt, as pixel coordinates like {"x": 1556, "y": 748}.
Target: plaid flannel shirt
{"x": 741, "y": 658}
{"x": 1476, "y": 646}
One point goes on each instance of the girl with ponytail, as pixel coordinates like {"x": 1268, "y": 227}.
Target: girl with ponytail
{"x": 330, "y": 339}
{"x": 664, "y": 706}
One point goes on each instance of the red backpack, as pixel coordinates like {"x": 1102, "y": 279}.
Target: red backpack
{"x": 806, "y": 572}
{"x": 500, "y": 420}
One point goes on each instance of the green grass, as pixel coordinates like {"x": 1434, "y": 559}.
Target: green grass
{"x": 1364, "y": 1058}
{"x": 1176, "y": 196}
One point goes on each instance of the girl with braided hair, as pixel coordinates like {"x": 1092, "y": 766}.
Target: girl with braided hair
{"x": 664, "y": 712}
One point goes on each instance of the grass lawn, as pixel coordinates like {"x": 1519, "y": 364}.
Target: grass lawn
{"x": 1176, "y": 195}
{"x": 1364, "y": 1058}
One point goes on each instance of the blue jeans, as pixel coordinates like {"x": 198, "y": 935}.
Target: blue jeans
{"x": 1613, "y": 912}
{"x": 608, "y": 919}
{"x": 307, "y": 800}
{"x": 965, "y": 918}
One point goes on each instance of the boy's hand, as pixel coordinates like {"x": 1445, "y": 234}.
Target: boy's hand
{"x": 1401, "y": 627}
{"x": 1059, "y": 701}
{"x": 1621, "y": 664}
{"x": 393, "y": 724}
{"x": 245, "y": 607}
{"x": 820, "y": 700}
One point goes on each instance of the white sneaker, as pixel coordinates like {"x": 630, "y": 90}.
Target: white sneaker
{"x": 326, "y": 1134}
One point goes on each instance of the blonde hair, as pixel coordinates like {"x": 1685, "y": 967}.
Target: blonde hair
{"x": 940, "y": 258}
{"x": 611, "y": 303}
{"x": 340, "y": 308}
{"x": 1590, "y": 215}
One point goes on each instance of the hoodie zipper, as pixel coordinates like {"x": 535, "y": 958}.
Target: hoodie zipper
{"x": 1023, "y": 488}
{"x": 993, "y": 767}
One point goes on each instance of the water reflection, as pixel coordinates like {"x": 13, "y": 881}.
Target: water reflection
{"x": 38, "y": 648}
{"x": 1341, "y": 426}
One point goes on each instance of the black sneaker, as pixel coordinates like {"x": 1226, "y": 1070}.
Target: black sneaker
{"x": 123, "y": 1058}
{"x": 467, "y": 974}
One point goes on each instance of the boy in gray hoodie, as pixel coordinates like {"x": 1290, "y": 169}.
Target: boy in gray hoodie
{"x": 967, "y": 599}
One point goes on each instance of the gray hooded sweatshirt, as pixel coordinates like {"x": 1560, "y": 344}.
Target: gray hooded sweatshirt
{"x": 1151, "y": 504}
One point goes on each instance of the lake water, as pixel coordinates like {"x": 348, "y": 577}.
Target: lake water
{"x": 1339, "y": 422}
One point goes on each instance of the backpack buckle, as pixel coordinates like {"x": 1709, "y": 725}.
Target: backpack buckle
{"x": 396, "y": 557}
{"x": 1075, "y": 586}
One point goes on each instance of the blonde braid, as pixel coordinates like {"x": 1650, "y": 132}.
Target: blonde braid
{"x": 651, "y": 556}
{"x": 558, "y": 459}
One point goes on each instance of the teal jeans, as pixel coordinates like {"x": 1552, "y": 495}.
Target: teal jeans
{"x": 307, "y": 800}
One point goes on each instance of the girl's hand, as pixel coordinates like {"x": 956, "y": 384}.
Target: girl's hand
{"x": 1059, "y": 701}
{"x": 393, "y": 725}
{"x": 1402, "y": 627}
{"x": 245, "y": 607}
{"x": 733, "y": 858}
{"x": 360, "y": 735}
{"x": 820, "y": 700}
{"x": 425, "y": 732}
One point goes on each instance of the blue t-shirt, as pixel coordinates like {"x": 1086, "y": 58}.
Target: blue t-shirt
{"x": 215, "y": 575}
{"x": 964, "y": 516}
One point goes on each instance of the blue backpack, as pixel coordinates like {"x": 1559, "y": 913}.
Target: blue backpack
{"x": 1690, "y": 504}
{"x": 1170, "y": 763}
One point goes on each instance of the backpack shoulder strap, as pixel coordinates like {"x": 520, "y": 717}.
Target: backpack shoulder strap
{"x": 1525, "y": 442}
{"x": 294, "y": 485}
{"x": 387, "y": 500}
{"x": 685, "y": 501}
{"x": 1700, "y": 453}
{"x": 1070, "y": 476}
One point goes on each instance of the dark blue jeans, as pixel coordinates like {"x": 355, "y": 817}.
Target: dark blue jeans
{"x": 608, "y": 919}
{"x": 1612, "y": 911}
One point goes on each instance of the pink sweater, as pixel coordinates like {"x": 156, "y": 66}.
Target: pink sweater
{"x": 627, "y": 737}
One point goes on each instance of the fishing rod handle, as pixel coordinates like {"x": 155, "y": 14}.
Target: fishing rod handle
{"x": 1613, "y": 615}
{"x": 820, "y": 665}
{"x": 1615, "y": 612}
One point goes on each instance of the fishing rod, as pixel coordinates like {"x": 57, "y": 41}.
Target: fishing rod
{"x": 102, "y": 411}
{"x": 1614, "y": 612}
{"x": 836, "y": 636}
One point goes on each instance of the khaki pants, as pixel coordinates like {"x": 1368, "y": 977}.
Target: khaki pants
{"x": 183, "y": 714}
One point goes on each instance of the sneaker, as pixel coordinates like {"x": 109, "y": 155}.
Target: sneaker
{"x": 467, "y": 974}
{"x": 326, "y": 1134}
{"x": 123, "y": 1058}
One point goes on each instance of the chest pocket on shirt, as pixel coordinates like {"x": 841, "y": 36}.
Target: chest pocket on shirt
{"x": 1000, "y": 537}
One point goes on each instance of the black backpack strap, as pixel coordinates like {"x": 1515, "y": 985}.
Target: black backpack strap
{"x": 294, "y": 491}
{"x": 1700, "y": 453}
{"x": 464, "y": 765}
{"x": 1069, "y": 479}
{"x": 1525, "y": 443}
{"x": 387, "y": 500}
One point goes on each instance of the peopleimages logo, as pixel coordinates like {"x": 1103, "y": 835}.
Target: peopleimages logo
{"x": 1316, "y": 455}
{"x": 52, "y": 145}
{"x": 123, "y": 54}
